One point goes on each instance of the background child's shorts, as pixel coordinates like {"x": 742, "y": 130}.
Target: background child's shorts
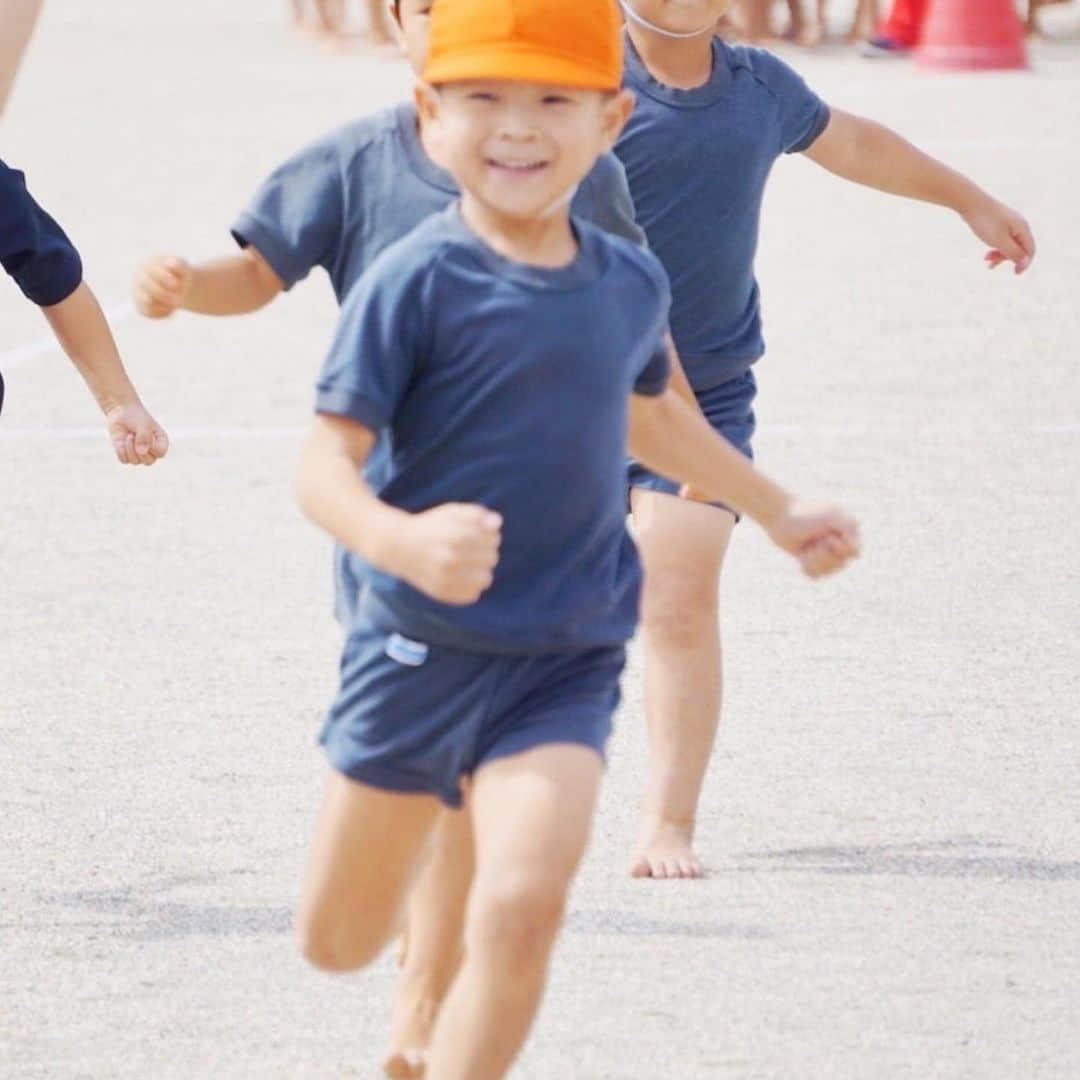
{"x": 413, "y": 717}
{"x": 347, "y": 586}
{"x": 729, "y": 407}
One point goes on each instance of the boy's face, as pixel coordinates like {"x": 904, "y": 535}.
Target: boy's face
{"x": 412, "y": 18}
{"x": 521, "y": 149}
{"x": 681, "y": 16}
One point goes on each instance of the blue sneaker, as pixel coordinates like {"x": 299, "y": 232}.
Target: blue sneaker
{"x": 883, "y": 47}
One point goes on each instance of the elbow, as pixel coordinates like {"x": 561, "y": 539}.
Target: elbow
{"x": 303, "y": 486}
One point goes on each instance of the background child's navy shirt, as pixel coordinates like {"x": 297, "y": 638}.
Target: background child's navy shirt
{"x": 697, "y": 162}
{"x": 34, "y": 250}
{"x": 507, "y": 386}
{"x": 340, "y": 201}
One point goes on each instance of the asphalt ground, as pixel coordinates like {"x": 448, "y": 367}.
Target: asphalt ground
{"x": 892, "y": 819}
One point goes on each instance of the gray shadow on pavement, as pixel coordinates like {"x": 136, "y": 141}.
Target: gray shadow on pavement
{"x": 962, "y": 857}
{"x": 628, "y": 924}
{"x": 137, "y": 914}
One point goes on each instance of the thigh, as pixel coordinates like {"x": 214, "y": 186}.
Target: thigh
{"x": 366, "y": 848}
{"x": 682, "y": 545}
{"x": 532, "y": 814}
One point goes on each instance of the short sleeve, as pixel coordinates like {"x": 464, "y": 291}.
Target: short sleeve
{"x": 652, "y": 379}
{"x": 803, "y": 115}
{"x": 34, "y": 250}
{"x": 295, "y": 220}
{"x": 604, "y": 200}
{"x": 378, "y": 343}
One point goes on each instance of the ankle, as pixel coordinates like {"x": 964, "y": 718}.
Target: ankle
{"x": 654, "y": 821}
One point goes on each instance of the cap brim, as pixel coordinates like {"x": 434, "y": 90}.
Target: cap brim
{"x": 515, "y": 65}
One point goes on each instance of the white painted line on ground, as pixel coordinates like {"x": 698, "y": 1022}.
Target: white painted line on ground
{"x": 71, "y": 434}
{"x": 9, "y": 361}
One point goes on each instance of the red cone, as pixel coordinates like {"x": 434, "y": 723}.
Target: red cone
{"x": 970, "y": 35}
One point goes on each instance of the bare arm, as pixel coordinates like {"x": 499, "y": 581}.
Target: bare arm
{"x": 448, "y": 552}
{"x": 333, "y": 494}
{"x": 871, "y": 154}
{"x": 677, "y": 379}
{"x": 673, "y": 438}
{"x": 83, "y": 333}
{"x": 17, "y": 17}
{"x": 227, "y": 285}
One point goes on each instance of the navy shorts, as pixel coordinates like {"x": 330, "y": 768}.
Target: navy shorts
{"x": 729, "y": 408}
{"x": 412, "y": 717}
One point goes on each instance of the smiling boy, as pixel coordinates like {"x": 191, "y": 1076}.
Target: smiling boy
{"x": 498, "y": 346}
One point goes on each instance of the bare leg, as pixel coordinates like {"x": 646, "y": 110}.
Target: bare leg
{"x": 331, "y": 17}
{"x": 532, "y": 814}
{"x": 755, "y": 24}
{"x": 434, "y": 946}
{"x": 378, "y": 29}
{"x": 865, "y": 23}
{"x": 796, "y": 28}
{"x": 367, "y": 846}
{"x": 682, "y": 546}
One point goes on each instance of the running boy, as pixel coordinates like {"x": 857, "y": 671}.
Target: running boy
{"x": 498, "y": 345}
{"x": 36, "y": 252}
{"x": 710, "y": 121}
{"x": 336, "y": 205}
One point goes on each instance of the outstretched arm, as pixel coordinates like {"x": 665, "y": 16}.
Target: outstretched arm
{"x": 673, "y": 438}
{"x": 871, "y": 154}
{"x": 80, "y": 326}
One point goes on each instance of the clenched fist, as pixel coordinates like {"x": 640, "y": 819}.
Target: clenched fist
{"x": 160, "y": 285}
{"x": 449, "y": 552}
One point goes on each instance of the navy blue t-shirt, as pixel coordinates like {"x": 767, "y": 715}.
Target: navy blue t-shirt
{"x": 34, "y": 250}
{"x": 338, "y": 202}
{"x": 506, "y": 385}
{"x": 346, "y": 197}
{"x": 697, "y": 162}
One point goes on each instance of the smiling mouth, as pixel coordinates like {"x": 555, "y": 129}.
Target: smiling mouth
{"x": 518, "y": 168}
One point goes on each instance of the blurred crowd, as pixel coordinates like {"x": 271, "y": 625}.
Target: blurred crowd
{"x": 878, "y": 28}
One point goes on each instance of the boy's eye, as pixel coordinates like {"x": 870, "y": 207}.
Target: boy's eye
{"x": 557, "y": 99}
{"x": 481, "y": 95}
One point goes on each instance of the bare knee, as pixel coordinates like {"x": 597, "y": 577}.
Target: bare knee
{"x": 517, "y": 917}
{"x": 680, "y": 609}
{"x": 335, "y": 944}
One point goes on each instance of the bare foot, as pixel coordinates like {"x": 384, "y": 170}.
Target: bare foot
{"x": 416, "y": 1008}
{"x": 666, "y": 851}
{"x": 404, "y": 1064}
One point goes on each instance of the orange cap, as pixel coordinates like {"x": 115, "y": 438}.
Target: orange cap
{"x": 573, "y": 43}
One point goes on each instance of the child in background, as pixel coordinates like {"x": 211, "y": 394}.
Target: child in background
{"x": 35, "y": 251}
{"x": 500, "y": 344}
{"x": 711, "y": 120}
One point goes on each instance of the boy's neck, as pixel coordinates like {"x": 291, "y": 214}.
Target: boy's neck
{"x": 681, "y": 63}
{"x": 547, "y": 242}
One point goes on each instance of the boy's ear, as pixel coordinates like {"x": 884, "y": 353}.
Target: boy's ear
{"x": 398, "y": 30}
{"x": 617, "y": 110}
{"x": 427, "y": 103}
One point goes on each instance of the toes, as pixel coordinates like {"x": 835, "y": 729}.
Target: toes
{"x": 405, "y": 1065}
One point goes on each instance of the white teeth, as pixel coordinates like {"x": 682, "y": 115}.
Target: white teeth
{"x": 517, "y": 164}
